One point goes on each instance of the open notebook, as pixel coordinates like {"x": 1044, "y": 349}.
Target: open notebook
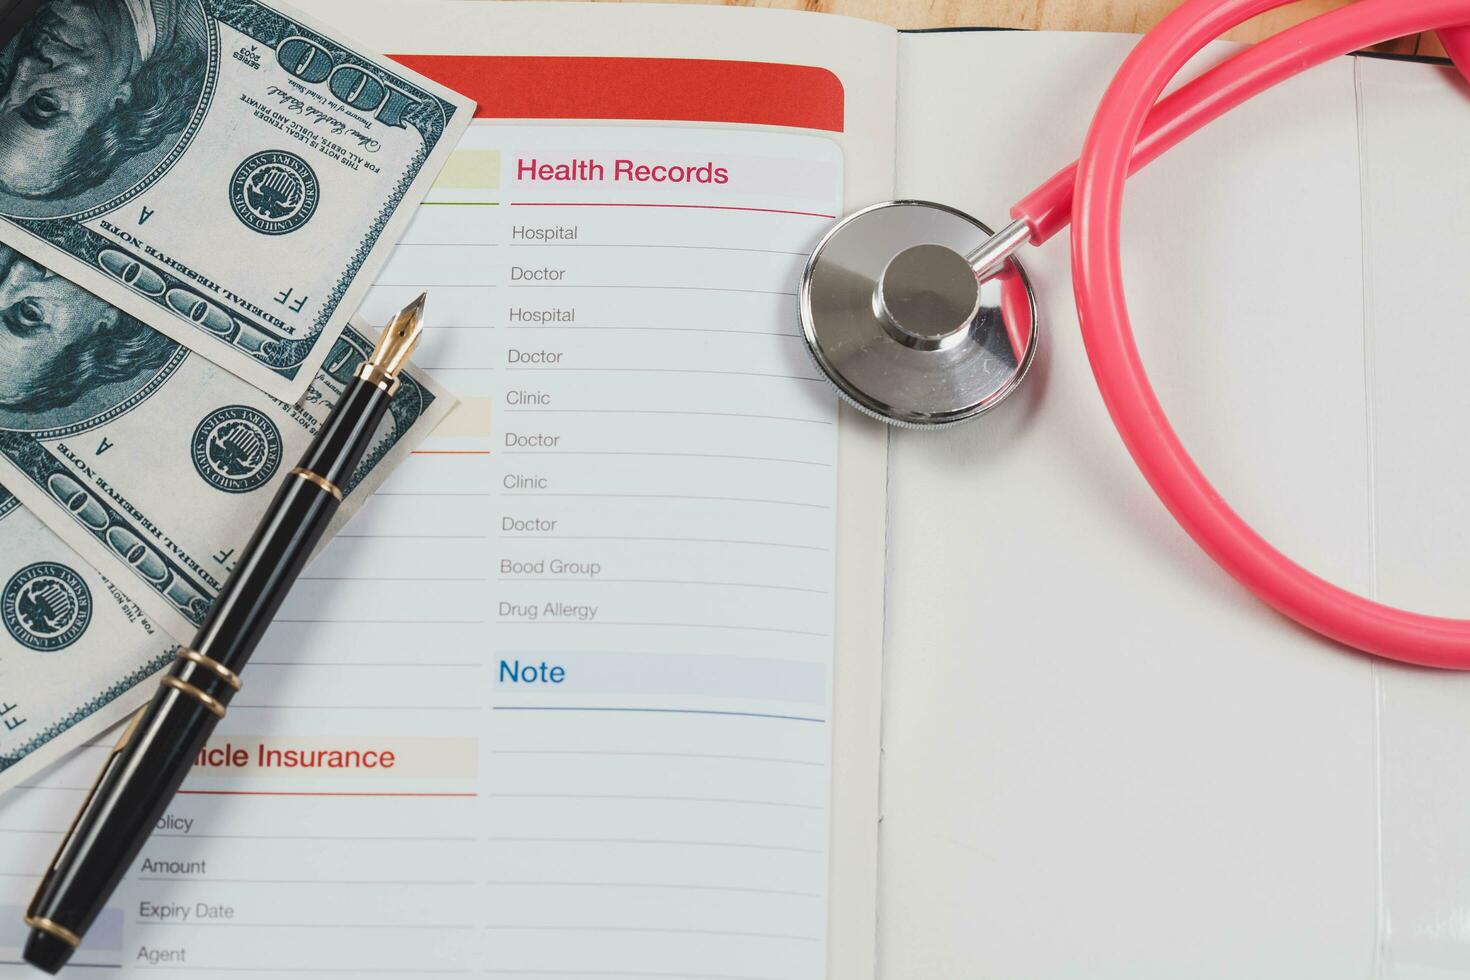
{"x": 597, "y": 685}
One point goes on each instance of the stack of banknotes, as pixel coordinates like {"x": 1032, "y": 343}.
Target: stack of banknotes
{"x": 194, "y": 196}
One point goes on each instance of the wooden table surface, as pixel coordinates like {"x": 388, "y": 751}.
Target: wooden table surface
{"x": 1062, "y": 15}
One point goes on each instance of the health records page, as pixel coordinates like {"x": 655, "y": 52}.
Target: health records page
{"x": 559, "y": 702}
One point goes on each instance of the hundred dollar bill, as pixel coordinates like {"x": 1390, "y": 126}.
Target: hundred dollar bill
{"x": 148, "y": 459}
{"x": 75, "y": 651}
{"x": 227, "y": 171}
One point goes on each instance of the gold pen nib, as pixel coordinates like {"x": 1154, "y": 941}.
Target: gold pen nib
{"x": 399, "y": 339}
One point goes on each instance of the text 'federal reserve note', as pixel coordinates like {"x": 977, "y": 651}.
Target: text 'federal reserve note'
{"x": 227, "y": 171}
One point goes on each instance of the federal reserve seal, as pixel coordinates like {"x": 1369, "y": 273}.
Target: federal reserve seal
{"x": 236, "y": 449}
{"x": 46, "y": 606}
{"x": 274, "y": 192}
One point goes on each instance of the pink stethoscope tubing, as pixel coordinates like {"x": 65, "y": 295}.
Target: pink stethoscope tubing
{"x": 1130, "y": 128}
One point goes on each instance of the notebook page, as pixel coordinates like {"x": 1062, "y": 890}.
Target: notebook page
{"x": 661, "y": 539}
{"x": 1414, "y": 132}
{"x": 863, "y": 56}
{"x": 1159, "y": 777}
{"x": 559, "y": 703}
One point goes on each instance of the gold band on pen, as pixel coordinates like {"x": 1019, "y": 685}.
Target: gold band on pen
{"x": 60, "y": 932}
{"x": 184, "y": 687}
{"x": 379, "y": 378}
{"x": 225, "y": 674}
{"x": 319, "y": 481}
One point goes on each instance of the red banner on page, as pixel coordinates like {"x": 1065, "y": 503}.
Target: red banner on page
{"x": 675, "y": 89}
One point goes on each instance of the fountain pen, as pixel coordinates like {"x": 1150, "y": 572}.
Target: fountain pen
{"x": 150, "y": 760}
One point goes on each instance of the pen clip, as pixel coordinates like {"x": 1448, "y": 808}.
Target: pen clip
{"x": 122, "y": 743}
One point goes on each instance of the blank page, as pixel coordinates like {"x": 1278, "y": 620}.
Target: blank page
{"x": 1102, "y": 756}
{"x": 1414, "y": 139}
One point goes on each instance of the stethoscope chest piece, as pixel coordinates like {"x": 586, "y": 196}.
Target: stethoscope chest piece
{"x": 895, "y": 316}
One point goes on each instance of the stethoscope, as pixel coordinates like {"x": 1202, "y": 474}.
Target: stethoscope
{"x": 922, "y": 317}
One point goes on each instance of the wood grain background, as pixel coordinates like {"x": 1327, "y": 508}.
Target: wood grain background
{"x": 1062, "y": 15}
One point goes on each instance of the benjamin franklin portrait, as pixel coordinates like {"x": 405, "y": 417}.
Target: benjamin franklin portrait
{"x": 65, "y": 355}
{"x": 93, "y": 93}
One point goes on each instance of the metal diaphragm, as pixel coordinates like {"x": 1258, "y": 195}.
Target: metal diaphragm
{"x": 895, "y": 317}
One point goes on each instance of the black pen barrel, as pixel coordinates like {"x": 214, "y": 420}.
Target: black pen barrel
{"x": 148, "y": 765}
{"x": 130, "y": 795}
{"x": 297, "y": 520}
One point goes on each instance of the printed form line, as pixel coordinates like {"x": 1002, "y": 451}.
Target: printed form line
{"x": 300, "y": 881}
{"x": 664, "y": 496}
{"x": 653, "y": 885}
{"x": 658, "y": 370}
{"x": 692, "y": 207}
{"x": 375, "y": 926}
{"x": 656, "y": 929}
{"x": 571, "y": 326}
{"x": 359, "y": 707}
{"x": 624, "y": 537}
{"x": 277, "y": 970}
{"x": 696, "y": 626}
{"x": 635, "y": 285}
{"x": 659, "y": 711}
{"x": 697, "y": 248}
{"x": 658, "y": 755}
{"x": 666, "y": 411}
{"x": 679, "y": 455}
{"x": 630, "y": 974}
{"x": 299, "y": 792}
{"x": 657, "y": 581}
{"x": 333, "y": 838}
{"x": 656, "y": 798}
{"x": 655, "y": 842}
